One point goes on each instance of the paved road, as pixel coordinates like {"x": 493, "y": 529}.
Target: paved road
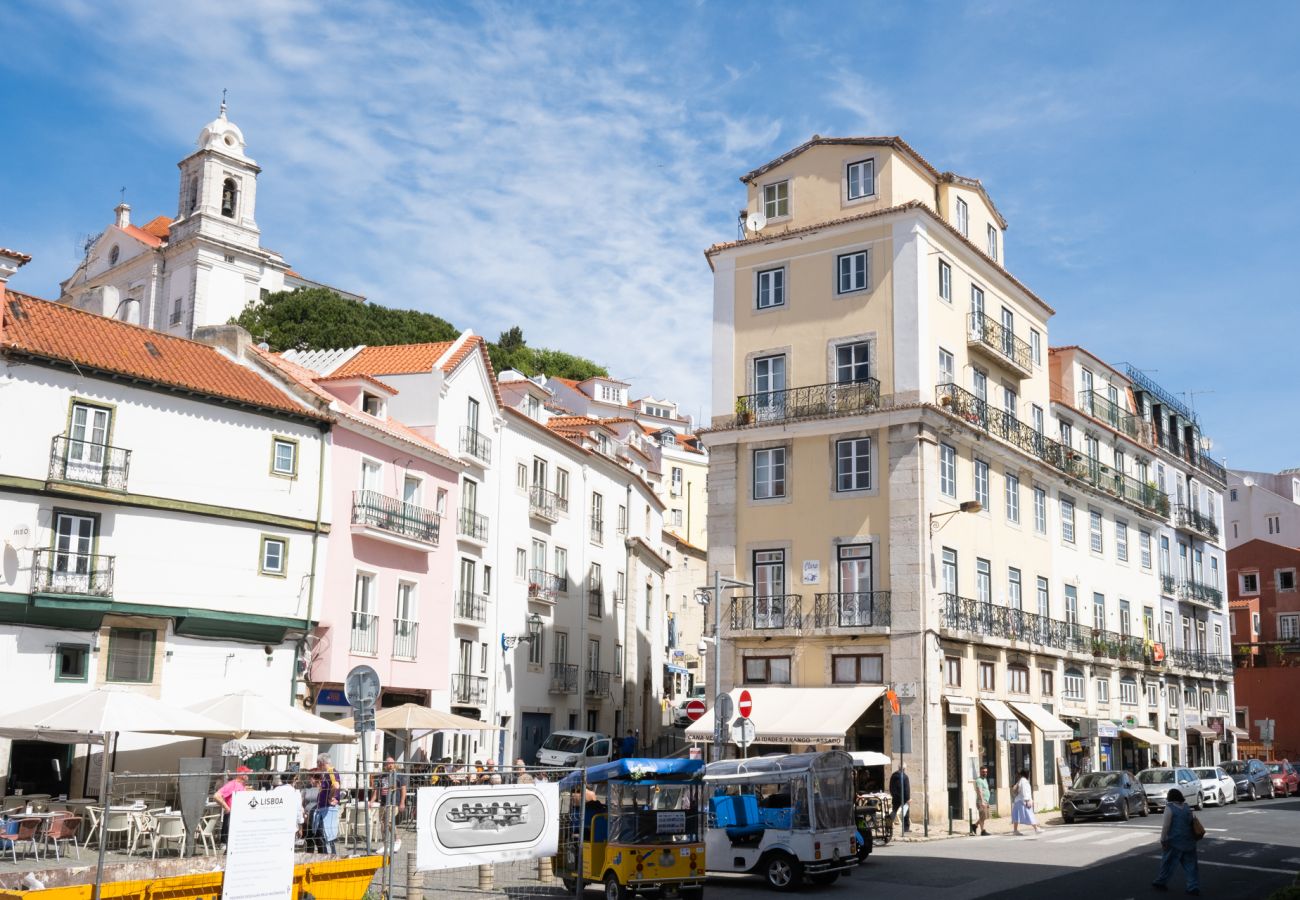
{"x": 1251, "y": 850}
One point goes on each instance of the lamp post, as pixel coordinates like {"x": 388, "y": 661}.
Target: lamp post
{"x": 510, "y": 641}
{"x": 703, "y": 595}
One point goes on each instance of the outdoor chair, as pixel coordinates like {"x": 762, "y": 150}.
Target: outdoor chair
{"x": 26, "y": 834}
{"x": 63, "y": 830}
{"x": 115, "y": 821}
{"x": 143, "y": 828}
{"x": 169, "y": 830}
{"x": 206, "y": 833}
{"x": 94, "y": 814}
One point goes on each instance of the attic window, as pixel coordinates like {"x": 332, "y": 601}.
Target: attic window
{"x": 372, "y": 405}
{"x": 153, "y": 350}
{"x": 229, "y": 197}
{"x": 114, "y": 254}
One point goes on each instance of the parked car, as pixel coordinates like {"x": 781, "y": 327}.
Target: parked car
{"x": 1251, "y": 775}
{"x": 575, "y": 749}
{"x": 1102, "y": 794}
{"x": 1157, "y": 783}
{"x": 1220, "y": 788}
{"x": 1285, "y": 779}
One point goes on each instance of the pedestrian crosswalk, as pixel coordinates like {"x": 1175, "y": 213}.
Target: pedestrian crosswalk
{"x": 1097, "y": 837}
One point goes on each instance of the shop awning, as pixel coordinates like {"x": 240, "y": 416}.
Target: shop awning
{"x": 1148, "y": 735}
{"x": 798, "y": 715}
{"x": 1053, "y": 729}
{"x": 1200, "y": 731}
{"x": 676, "y": 670}
{"x": 999, "y": 710}
{"x": 1240, "y": 734}
{"x": 959, "y": 705}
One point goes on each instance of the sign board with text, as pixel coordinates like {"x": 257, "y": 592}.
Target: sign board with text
{"x": 259, "y": 853}
{"x": 812, "y": 571}
{"x": 481, "y": 824}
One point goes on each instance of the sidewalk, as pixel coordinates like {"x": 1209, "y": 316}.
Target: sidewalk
{"x": 995, "y": 827}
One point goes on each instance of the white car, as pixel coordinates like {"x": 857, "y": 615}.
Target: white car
{"x": 1219, "y": 787}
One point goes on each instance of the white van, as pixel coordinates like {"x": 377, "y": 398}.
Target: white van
{"x": 575, "y": 749}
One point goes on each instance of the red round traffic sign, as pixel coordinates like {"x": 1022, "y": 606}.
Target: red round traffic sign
{"x": 745, "y": 704}
{"x": 695, "y": 709}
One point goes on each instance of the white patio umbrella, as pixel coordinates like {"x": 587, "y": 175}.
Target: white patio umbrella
{"x": 253, "y": 716}
{"x": 413, "y": 717}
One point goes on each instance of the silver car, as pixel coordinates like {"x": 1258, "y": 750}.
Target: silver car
{"x": 1157, "y": 783}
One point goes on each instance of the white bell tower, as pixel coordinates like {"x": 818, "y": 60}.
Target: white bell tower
{"x": 218, "y": 190}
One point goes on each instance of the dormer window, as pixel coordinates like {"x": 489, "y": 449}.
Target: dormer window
{"x": 372, "y": 405}
{"x": 229, "y": 197}
{"x": 861, "y": 179}
{"x": 963, "y": 217}
{"x": 776, "y": 200}
{"x": 993, "y": 243}
{"x": 532, "y": 407}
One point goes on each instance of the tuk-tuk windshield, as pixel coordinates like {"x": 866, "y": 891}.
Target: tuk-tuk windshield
{"x": 654, "y": 813}
{"x": 832, "y": 790}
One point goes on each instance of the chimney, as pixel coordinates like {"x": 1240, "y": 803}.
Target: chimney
{"x": 10, "y": 262}
{"x": 231, "y": 338}
{"x": 123, "y": 211}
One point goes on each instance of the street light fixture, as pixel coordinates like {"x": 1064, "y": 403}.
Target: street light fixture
{"x": 967, "y": 506}
{"x": 510, "y": 641}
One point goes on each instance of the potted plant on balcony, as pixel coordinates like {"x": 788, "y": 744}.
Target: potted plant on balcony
{"x": 534, "y": 588}
{"x": 1098, "y": 646}
{"x": 744, "y": 415}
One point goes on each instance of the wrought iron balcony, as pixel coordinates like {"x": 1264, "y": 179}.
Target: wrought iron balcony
{"x": 597, "y": 683}
{"x": 1196, "y": 592}
{"x": 373, "y": 510}
{"x": 1005, "y": 425}
{"x": 476, "y": 444}
{"x": 405, "y": 638}
{"x": 818, "y": 401}
{"x": 1099, "y": 406}
{"x": 1196, "y": 521}
{"x": 596, "y": 602}
{"x": 471, "y": 607}
{"x": 862, "y": 609}
{"x": 782, "y": 612}
{"x": 82, "y": 574}
{"x": 365, "y": 633}
{"x": 83, "y": 462}
{"x": 564, "y": 678}
{"x": 1215, "y": 470}
{"x": 1167, "y": 585}
{"x": 1192, "y": 455}
{"x": 472, "y": 525}
{"x": 468, "y": 690}
{"x": 543, "y": 585}
{"x": 543, "y": 503}
{"x": 1202, "y": 661}
{"x": 990, "y": 334}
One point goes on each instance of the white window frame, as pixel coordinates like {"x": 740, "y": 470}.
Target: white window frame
{"x": 1103, "y": 690}
{"x": 1040, "y": 510}
{"x": 963, "y": 217}
{"x": 1035, "y": 346}
{"x": 981, "y": 483}
{"x": 773, "y": 461}
{"x": 1245, "y": 589}
{"x": 776, "y": 202}
{"x": 1013, "y": 497}
{"x": 993, "y": 243}
{"x": 854, "y": 473}
{"x": 947, "y": 367}
{"x": 948, "y": 470}
{"x": 769, "y": 283}
{"x": 277, "y": 444}
{"x": 1121, "y": 540}
{"x": 1096, "y": 541}
{"x": 862, "y": 167}
{"x": 1144, "y": 548}
{"x": 1128, "y": 692}
{"x": 280, "y": 567}
{"x": 945, "y": 281}
{"x": 1288, "y": 626}
{"x": 1067, "y": 519}
{"x": 1073, "y": 686}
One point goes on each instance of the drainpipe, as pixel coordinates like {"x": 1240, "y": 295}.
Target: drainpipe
{"x": 324, "y": 428}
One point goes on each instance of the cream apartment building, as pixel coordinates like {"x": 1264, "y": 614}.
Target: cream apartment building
{"x": 894, "y": 481}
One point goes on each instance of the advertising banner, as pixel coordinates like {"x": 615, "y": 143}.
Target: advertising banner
{"x": 470, "y": 825}
{"x": 259, "y": 854}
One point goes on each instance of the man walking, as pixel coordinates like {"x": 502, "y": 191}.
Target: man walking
{"x": 982, "y": 799}
{"x": 900, "y": 791}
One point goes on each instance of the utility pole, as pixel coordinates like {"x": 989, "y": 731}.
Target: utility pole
{"x": 719, "y": 585}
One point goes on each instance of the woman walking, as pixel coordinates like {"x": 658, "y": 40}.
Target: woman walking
{"x": 1022, "y": 807}
{"x": 1178, "y": 843}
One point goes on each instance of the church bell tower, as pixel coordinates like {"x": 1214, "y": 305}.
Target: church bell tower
{"x": 218, "y": 189}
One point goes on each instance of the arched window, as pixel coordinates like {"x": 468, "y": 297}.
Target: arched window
{"x": 229, "y": 197}
{"x": 1018, "y": 679}
{"x": 192, "y": 198}
{"x": 1128, "y": 691}
{"x": 1073, "y": 684}
{"x": 114, "y": 254}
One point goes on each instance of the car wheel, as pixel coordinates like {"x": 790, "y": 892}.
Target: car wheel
{"x": 1123, "y": 811}
{"x": 614, "y": 890}
{"x": 1223, "y": 798}
{"x": 1251, "y": 794}
{"x": 1272, "y": 791}
{"x": 1145, "y": 809}
{"x": 693, "y": 893}
{"x": 570, "y": 885}
{"x": 783, "y": 872}
{"x": 1200, "y": 800}
{"x": 1068, "y": 820}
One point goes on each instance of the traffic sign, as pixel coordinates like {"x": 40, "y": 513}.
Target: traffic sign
{"x": 743, "y": 732}
{"x": 746, "y": 704}
{"x": 361, "y": 688}
{"x": 723, "y": 708}
{"x": 695, "y": 709}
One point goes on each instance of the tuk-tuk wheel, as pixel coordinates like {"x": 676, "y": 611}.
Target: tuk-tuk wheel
{"x": 782, "y": 871}
{"x": 824, "y": 877}
{"x": 570, "y": 885}
{"x": 692, "y": 893}
{"x": 614, "y": 890}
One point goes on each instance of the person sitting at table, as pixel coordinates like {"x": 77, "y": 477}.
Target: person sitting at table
{"x": 236, "y": 784}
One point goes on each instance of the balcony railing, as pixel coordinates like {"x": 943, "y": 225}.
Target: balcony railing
{"x": 1099, "y": 406}
{"x": 83, "y": 462}
{"x": 543, "y": 503}
{"x": 405, "y": 638}
{"x": 816, "y": 401}
{"x": 468, "y": 690}
{"x": 1202, "y": 661}
{"x": 783, "y": 612}
{"x": 471, "y": 607}
{"x": 986, "y": 331}
{"x": 1143, "y": 383}
{"x": 1215, "y": 470}
{"x": 83, "y": 574}
{"x": 564, "y": 678}
{"x": 365, "y": 633}
{"x": 476, "y": 444}
{"x": 1167, "y": 585}
{"x": 598, "y": 531}
{"x": 862, "y": 609}
{"x": 543, "y": 585}
{"x": 472, "y": 525}
{"x": 375, "y": 510}
{"x": 596, "y": 603}
{"x": 597, "y": 683}
{"x": 1005, "y": 425}
{"x": 1197, "y": 521}
{"x": 1196, "y": 592}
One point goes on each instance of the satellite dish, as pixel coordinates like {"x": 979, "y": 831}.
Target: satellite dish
{"x": 361, "y": 688}
{"x": 755, "y": 222}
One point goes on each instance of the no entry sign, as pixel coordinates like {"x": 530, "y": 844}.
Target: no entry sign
{"x": 745, "y": 704}
{"x": 695, "y": 709}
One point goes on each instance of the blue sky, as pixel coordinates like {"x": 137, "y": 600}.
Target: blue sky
{"x": 563, "y": 166}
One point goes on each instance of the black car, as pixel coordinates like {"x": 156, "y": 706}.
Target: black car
{"x": 1252, "y": 777}
{"x": 1102, "y": 794}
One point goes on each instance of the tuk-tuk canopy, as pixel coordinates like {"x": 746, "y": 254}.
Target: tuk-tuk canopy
{"x": 637, "y": 769}
{"x": 778, "y": 767}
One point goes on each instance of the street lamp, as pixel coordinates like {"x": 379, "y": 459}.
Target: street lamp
{"x": 704, "y": 595}
{"x": 967, "y": 506}
{"x": 510, "y": 641}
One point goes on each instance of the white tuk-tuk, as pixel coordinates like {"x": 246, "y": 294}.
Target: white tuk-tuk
{"x": 783, "y": 817}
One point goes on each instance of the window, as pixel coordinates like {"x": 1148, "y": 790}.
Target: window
{"x": 1125, "y": 617}
{"x": 1073, "y": 684}
{"x": 1288, "y": 627}
{"x": 131, "y": 655}
{"x": 562, "y": 567}
{"x": 853, "y": 464}
{"x": 1035, "y": 347}
{"x": 562, "y": 489}
{"x": 1274, "y": 524}
{"x": 767, "y": 670}
{"x": 949, "y": 564}
{"x": 982, "y": 483}
{"x": 947, "y": 367}
{"x": 1067, "y": 434}
{"x": 852, "y": 362}
{"x": 676, "y": 482}
{"x": 1018, "y": 679}
{"x": 945, "y": 281}
{"x": 1144, "y": 548}
{"x": 1014, "y": 599}
{"x": 1040, "y": 510}
{"x": 372, "y": 405}
{"x": 1153, "y": 694}
{"x": 1036, "y": 418}
{"x": 977, "y": 306}
{"x": 272, "y": 556}
{"x": 1164, "y": 555}
{"x": 771, "y": 288}
{"x": 769, "y": 473}
{"x": 1067, "y": 520}
{"x": 521, "y": 476}
{"x": 852, "y": 269}
{"x": 536, "y": 647}
{"x": 983, "y": 580}
{"x": 1047, "y": 679}
{"x": 1121, "y": 540}
{"x": 284, "y": 457}
{"x": 1128, "y": 692}
{"x": 963, "y": 217}
{"x": 858, "y": 669}
{"x": 1250, "y": 582}
{"x": 952, "y": 671}
{"x": 1214, "y": 571}
{"x": 1103, "y": 690}
{"x": 1071, "y": 605}
{"x": 1013, "y": 498}
{"x": 1285, "y": 579}
{"x": 979, "y": 384}
{"x": 1099, "y": 611}
{"x": 1044, "y": 598}
{"x": 776, "y": 200}
{"x": 675, "y": 517}
{"x": 229, "y": 198}
{"x": 71, "y": 662}
{"x": 986, "y": 676}
{"x": 1232, "y": 495}
{"x": 947, "y": 470}
{"x": 769, "y": 378}
{"x": 861, "y": 177}
{"x": 1094, "y": 530}
{"x": 487, "y": 581}
{"x": 993, "y": 243}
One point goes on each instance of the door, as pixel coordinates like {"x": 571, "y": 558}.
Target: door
{"x": 411, "y": 490}
{"x": 1008, "y": 332}
{"x": 74, "y": 541}
{"x": 471, "y": 415}
{"x": 593, "y": 663}
{"x": 856, "y": 598}
{"x": 371, "y": 475}
{"x": 769, "y": 386}
{"x": 769, "y": 589}
{"x": 534, "y": 729}
{"x": 469, "y": 496}
{"x": 539, "y": 473}
{"x": 87, "y": 443}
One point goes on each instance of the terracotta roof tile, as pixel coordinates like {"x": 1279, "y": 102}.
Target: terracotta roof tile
{"x": 158, "y": 226}
{"x": 144, "y": 237}
{"x": 21, "y": 257}
{"x": 817, "y": 140}
{"x": 45, "y": 330}
{"x": 395, "y": 359}
{"x": 362, "y": 376}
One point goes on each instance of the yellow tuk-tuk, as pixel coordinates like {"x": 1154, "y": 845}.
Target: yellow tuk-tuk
{"x": 636, "y": 827}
